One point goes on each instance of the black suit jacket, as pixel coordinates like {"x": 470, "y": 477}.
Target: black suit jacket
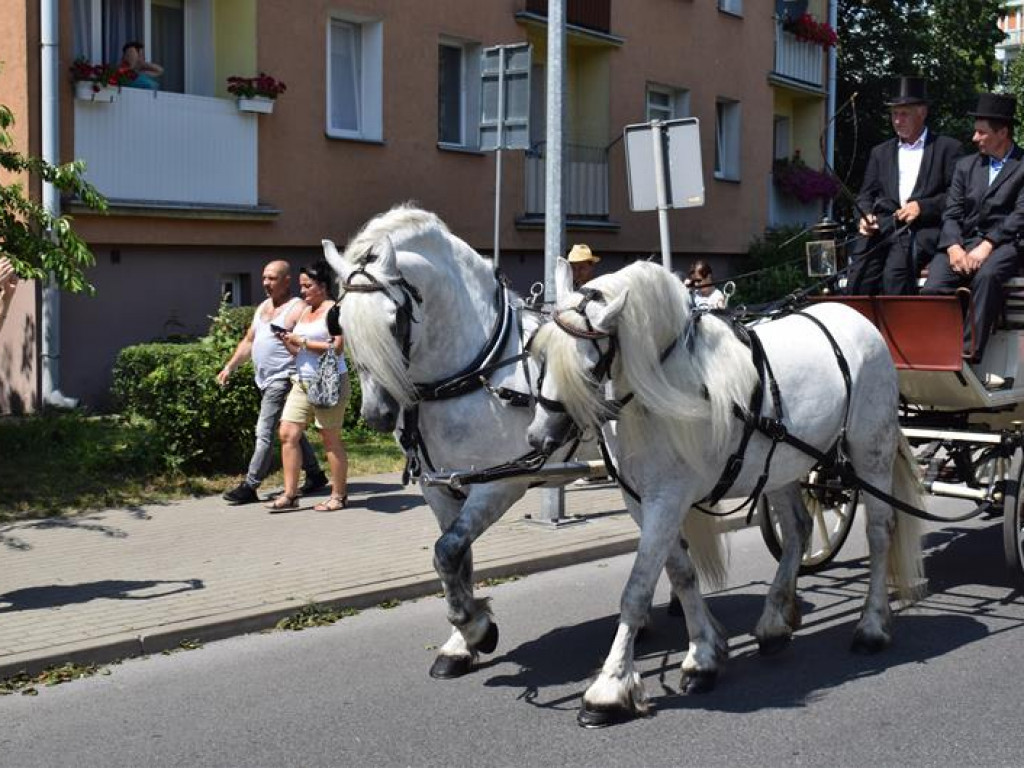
{"x": 977, "y": 210}
{"x": 880, "y": 192}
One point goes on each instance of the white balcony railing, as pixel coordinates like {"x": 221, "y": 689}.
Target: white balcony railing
{"x": 168, "y": 147}
{"x": 798, "y": 59}
{"x": 585, "y": 178}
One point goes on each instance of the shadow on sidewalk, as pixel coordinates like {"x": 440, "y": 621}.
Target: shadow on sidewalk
{"x": 35, "y": 598}
{"x": 400, "y": 502}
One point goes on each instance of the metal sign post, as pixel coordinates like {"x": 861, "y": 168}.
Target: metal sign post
{"x": 505, "y": 112}
{"x": 663, "y": 165}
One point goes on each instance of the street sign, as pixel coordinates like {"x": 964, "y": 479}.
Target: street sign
{"x": 680, "y": 158}
{"x": 505, "y": 97}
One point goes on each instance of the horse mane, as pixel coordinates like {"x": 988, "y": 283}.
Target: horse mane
{"x": 693, "y": 391}
{"x": 452, "y": 261}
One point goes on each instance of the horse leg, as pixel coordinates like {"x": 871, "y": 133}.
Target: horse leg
{"x": 475, "y": 631}
{"x": 618, "y": 693}
{"x": 708, "y": 646}
{"x": 781, "y": 617}
{"x": 874, "y": 630}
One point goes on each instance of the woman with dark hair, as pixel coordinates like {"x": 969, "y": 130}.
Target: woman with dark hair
{"x": 308, "y": 340}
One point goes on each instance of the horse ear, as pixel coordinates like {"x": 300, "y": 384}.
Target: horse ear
{"x": 605, "y": 319}
{"x": 387, "y": 259}
{"x": 334, "y": 259}
{"x": 563, "y": 279}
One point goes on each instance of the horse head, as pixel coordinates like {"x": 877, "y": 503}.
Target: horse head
{"x": 377, "y": 314}
{"x": 575, "y": 354}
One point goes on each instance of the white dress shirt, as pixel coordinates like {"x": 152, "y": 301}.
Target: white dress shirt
{"x": 909, "y": 159}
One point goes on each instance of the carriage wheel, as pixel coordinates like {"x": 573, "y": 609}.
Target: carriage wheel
{"x": 831, "y": 514}
{"x": 1013, "y": 516}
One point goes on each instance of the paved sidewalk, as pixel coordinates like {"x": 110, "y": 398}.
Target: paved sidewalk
{"x": 126, "y": 582}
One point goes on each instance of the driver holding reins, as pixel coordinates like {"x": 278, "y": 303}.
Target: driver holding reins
{"x": 902, "y": 198}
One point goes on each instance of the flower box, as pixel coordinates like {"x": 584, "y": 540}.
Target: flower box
{"x": 86, "y": 90}
{"x": 259, "y": 104}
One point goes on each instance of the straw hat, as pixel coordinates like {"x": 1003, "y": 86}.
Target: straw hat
{"x": 581, "y": 252}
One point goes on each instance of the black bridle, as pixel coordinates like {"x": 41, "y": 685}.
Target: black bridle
{"x": 404, "y": 317}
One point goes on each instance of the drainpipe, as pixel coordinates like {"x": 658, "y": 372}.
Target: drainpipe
{"x": 830, "y": 134}
{"x": 49, "y": 11}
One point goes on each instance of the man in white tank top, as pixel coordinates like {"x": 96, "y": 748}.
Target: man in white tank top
{"x": 274, "y": 367}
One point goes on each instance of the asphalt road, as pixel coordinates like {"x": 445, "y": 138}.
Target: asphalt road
{"x": 357, "y": 693}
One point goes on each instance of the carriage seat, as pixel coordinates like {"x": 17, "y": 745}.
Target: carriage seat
{"x": 1013, "y": 312}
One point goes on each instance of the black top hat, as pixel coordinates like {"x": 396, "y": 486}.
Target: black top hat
{"x": 909, "y": 90}
{"x": 1001, "y": 106}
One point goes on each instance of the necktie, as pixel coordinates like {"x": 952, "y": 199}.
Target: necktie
{"x": 997, "y": 165}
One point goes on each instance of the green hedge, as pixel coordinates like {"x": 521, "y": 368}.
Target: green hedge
{"x": 780, "y": 265}
{"x": 201, "y": 425}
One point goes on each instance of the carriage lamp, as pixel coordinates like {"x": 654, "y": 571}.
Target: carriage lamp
{"x": 822, "y": 249}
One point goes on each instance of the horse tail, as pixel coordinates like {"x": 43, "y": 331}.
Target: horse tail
{"x": 706, "y": 548}
{"x": 905, "y": 566}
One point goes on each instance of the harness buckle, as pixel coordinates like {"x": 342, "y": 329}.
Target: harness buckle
{"x": 773, "y": 428}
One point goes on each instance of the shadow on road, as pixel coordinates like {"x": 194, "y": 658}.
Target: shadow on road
{"x": 55, "y": 595}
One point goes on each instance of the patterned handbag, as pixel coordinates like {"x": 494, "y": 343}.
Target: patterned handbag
{"x": 324, "y": 389}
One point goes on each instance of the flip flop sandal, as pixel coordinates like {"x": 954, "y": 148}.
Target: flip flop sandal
{"x": 283, "y": 503}
{"x": 333, "y": 504}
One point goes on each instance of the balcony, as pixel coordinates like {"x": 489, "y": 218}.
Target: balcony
{"x": 589, "y": 14}
{"x": 171, "y": 149}
{"x": 585, "y": 180}
{"x": 797, "y": 60}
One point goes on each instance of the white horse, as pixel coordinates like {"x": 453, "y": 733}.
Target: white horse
{"x": 424, "y": 314}
{"x": 679, "y": 377}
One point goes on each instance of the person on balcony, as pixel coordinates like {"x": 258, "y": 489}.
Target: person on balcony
{"x": 146, "y": 72}
{"x": 902, "y": 198}
{"x": 982, "y": 222}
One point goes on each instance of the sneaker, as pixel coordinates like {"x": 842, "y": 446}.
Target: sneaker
{"x": 995, "y": 381}
{"x": 314, "y": 482}
{"x": 243, "y": 494}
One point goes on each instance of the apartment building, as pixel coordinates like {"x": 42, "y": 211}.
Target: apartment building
{"x": 382, "y": 106}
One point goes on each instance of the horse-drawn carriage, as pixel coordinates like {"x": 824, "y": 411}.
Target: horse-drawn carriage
{"x": 967, "y": 436}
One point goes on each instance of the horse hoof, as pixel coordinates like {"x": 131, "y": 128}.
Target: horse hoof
{"x": 675, "y": 608}
{"x": 602, "y": 717}
{"x": 449, "y": 667}
{"x": 698, "y": 682}
{"x": 769, "y": 646}
{"x": 489, "y": 641}
{"x": 865, "y": 645}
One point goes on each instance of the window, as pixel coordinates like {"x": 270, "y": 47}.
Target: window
{"x": 664, "y": 103}
{"x": 458, "y": 74}
{"x": 234, "y": 289}
{"x": 781, "y": 137}
{"x": 355, "y": 79}
{"x": 177, "y": 35}
{"x": 734, "y": 7}
{"x": 727, "y": 140}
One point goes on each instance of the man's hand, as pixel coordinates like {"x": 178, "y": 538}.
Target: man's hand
{"x": 908, "y": 212}
{"x": 977, "y": 255}
{"x": 224, "y": 375}
{"x": 957, "y": 259}
{"x": 8, "y": 277}
{"x": 868, "y": 225}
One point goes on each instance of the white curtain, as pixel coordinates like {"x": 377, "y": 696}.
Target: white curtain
{"x": 122, "y": 23}
{"x": 346, "y": 76}
{"x": 82, "y": 21}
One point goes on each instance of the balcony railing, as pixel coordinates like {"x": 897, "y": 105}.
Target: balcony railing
{"x": 169, "y": 147}
{"x": 1013, "y": 38}
{"x": 591, "y": 14}
{"x": 796, "y": 59}
{"x": 585, "y": 177}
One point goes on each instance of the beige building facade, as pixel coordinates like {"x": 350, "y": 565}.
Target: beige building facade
{"x": 381, "y": 107}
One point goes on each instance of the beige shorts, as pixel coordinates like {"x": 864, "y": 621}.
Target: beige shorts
{"x": 297, "y": 408}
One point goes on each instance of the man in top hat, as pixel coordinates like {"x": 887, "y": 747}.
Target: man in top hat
{"x": 582, "y": 261}
{"x": 902, "y": 198}
{"x": 983, "y": 218}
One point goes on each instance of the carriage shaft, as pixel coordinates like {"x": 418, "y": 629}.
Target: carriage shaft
{"x": 550, "y": 473}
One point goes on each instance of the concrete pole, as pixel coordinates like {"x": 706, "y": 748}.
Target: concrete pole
{"x": 553, "y": 501}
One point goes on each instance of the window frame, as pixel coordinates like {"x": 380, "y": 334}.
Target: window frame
{"x": 731, "y": 7}
{"x": 728, "y": 132}
{"x": 370, "y": 125}
{"x": 678, "y": 101}
{"x": 469, "y": 93}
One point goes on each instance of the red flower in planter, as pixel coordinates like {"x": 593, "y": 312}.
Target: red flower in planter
{"x": 261, "y": 85}
{"x": 810, "y": 30}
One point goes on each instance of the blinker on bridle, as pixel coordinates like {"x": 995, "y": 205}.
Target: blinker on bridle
{"x": 410, "y": 293}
